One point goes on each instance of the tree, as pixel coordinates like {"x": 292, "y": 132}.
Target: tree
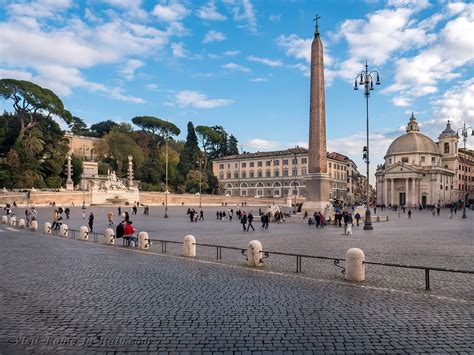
{"x": 210, "y": 139}
{"x": 232, "y": 145}
{"x": 78, "y": 126}
{"x": 102, "y": 128}
{"x": 191, "y": 152}
{"x": 32, "y": 102}
{"x": 156, "y": 125}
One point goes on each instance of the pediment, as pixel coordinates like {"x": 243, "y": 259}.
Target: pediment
{"x": 395, "y": 168}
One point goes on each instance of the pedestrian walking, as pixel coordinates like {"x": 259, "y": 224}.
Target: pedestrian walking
{"x": 250, "y": 220}
{"x": 110, "y": 216}
{"x": 409, "y": 213}
{"x": 357, "y": 217}
{"x": 91, "y": 222}
{"x": 243, "y": 220}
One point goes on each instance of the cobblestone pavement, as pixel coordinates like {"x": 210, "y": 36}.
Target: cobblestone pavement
{"x": 62, "y": 295}
{"x": 422, "y": 240}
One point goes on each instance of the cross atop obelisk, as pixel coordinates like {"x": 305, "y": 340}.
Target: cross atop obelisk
{"x": 316, "y": 30}
{"x": 317, "y": 182}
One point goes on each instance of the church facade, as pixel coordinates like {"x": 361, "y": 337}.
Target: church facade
{"x": 418, "y": 171}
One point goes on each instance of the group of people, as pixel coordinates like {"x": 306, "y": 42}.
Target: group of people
{"x": 126, "y": 230}
{"x": 193, "y": 215}
{"x": 223, "y": 215}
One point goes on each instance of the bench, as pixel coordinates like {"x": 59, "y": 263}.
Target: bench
{"x": 129, "y": 238}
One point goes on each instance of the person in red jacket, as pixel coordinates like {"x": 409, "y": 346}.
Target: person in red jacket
{"x": 129, "y": 234}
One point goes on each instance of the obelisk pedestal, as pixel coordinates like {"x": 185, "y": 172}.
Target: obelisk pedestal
{"x": 318, "y": 181}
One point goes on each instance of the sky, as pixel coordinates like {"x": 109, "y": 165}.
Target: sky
{"x": 244, "y": 64}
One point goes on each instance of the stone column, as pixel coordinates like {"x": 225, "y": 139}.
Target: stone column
{"x": 130, "y": 171}
{"x": 406, "y": 192}
{"x": 69, "y": 182}
{"x": 392, "y": 192}
{"x": 414, "y": 200}
{"x": 385, "y": 195}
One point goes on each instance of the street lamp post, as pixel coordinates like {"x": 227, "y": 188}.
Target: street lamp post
{"x": 464, "y": 132}
{"x": 200, "y": 162}
{"x": 166, "y": 175}
{"x": 294, "y": 181}
{"x": 366, "y": 78}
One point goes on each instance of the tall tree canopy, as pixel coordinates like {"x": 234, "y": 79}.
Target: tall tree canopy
{"x": 102, "y": 128}
{"x": 191, "y": 152}
{"x": 156, "y": 125}
{"x": 31, "y": 102}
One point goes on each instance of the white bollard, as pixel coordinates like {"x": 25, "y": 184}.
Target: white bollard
{"x": 83, "y": 233}
{"x": 34, "y": 226}
{"x": 109, "y": 236}
{"x": 349, "y": 229}
{"x": 47, "y": 228}
{"x": 13, "y": 221}
{"x": 189, "y": 245}
{"x": 21, "y": 223}
{"x": 4, "y": 219}
{"x": 254, "y": 253}
{"x": 143, "y": 242}
{"x": 355, "y": 267}
{"x": 63, "y": 230}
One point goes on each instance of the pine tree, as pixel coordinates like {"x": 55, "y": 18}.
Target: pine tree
{"x": 191, "y": 153}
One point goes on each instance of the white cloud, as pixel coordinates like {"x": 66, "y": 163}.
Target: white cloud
{"x": 133, "y": 7}
{"x": 232, "y": 53}
{"x": 258, "y": 80}
{"x": 262, "y": 144}
{"x": 15, "y": 74}
{"x": 128, "y": 71}
{"x": 265, "y": 61}
{"x": 243, "y": 11}
{"x": 178, "y": 50}
{"x": 274, "y": 18}
{"x": 209, "y": 12}
{"x": 197, "y": 99}
{"x": 213, "y": 36}
{"x": 151, "y": 87}
{"x": 39, "y": 8}
{"x": 172, "y": 12}
{"x": 419, "y": 75}
{"x": 296, "y": 47}
{"x": 238, "y": 67}
{"x": 402, "y": 101}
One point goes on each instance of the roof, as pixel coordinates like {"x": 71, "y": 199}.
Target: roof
{"x": 279, "y": 153}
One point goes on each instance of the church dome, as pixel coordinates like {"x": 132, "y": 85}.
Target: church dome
{"x": 413, "y": 141}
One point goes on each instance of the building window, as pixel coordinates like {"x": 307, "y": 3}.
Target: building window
{"x": 390, "y": 161}
{"x": 433, "y": 160}
{"x": 304, "y": 161}
{"x": 221, "y": 166}
{"x": 268, "y": 163}
{"x": 236, "y": 175}
{"x": 422, "y": 159}
{"x": 236, "y": 165}
{"x": 244, "y": 165}
{"x": 276, "y": 162}
{"x": 252, "y": 174}
{"x": 221, "y": 176}
{"x": 259, "y": 164}
{"x": 276, "y": 173}
{"x": 446, "y": 148}
{"x": 228, "y": 175}
{"x": 228, "y": 165}
{"x": 268, "y": 173}
{"x": 294, "y": 172}
{"x": 244, "y": 175}
{"x": 404, "y": 159}
{"x": 285, "y": 172}
{"x": 294, "y": 161}
{"x": 252, "y": 164}
{"x": 259, "y": 174}
{"x": 303, "y": 171}
{"x": 285, "y": 161}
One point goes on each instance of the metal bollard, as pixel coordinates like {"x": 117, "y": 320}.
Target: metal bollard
{"x": 84, "y": 233}
{"x": 109, "y": 235}
{"x": 143, "y": 242}
{"x": 4, "y": 219}
{"x": 189, "y": 246}
{"x": 63, "y": 230}
{"x": 21, "y": 223}
{"x": 13, "y": 221}
{"x": 34, "y": 226}
{"x": 355, "y": 267}
{"x": 254, "y": 253}
{"x": 47, "y": 228}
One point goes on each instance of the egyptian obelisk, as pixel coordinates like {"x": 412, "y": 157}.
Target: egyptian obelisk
{"x": 318, "y": 184}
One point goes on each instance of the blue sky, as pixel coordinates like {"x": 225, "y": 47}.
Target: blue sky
{"x": 244, "y": 64}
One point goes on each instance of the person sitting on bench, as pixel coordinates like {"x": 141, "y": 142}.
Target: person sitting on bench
{"x": 128, "y": 234}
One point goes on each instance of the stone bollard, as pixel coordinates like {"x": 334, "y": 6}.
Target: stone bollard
{"x": 254, "y": 253}
{"x": 63, "y": 230}
{"x": 34, "y": 226}
{"x": 13, "y": 221}
{"x": 143, "y": 242}
{"x": 84, "y": 233}
{"x": 21, "y": 223}
{"x": 47, "y": 228}
{"x": 349, "y": 229}
{"x": 4, "y": 219}
{"x": 109, "y": 235}
{"x": 189, "y": 245}
{"x": 355, "y": 267}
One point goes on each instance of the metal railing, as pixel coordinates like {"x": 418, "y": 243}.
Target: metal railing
{"x": 72, "y": 233}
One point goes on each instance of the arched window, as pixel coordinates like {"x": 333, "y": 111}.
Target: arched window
{"x": 446, "y": 148}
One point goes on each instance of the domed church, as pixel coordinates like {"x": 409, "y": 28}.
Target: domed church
{"x": 417, "y": 170}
